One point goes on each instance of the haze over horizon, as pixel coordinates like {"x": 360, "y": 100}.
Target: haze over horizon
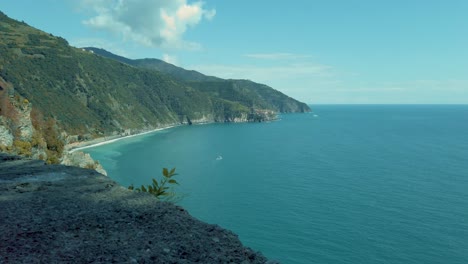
{"x": 319, "y": 52}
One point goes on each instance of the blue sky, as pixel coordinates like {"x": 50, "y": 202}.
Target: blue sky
{"x": 329, "y": 51}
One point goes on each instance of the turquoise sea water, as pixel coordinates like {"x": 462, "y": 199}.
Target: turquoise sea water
{"x": 345, "y": 184}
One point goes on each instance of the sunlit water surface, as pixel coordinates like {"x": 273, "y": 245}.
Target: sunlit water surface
{"x": 344, "y": 184}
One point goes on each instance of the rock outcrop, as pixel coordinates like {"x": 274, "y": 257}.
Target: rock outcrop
{"x": 6, "y": 137}
{"x": 60, "y": 214}
{"x": 82, "y": 160}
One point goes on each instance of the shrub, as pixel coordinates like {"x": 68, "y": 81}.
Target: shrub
{"x": 160, "y": 189}
{"x": 3, "y": 148}
{"x": 37, "y": 140}
{"x": 92, "y": 166}
{"x": 52, "y": 138}
{"x": 22, "y": 147}
{"x": 52, "y": 158}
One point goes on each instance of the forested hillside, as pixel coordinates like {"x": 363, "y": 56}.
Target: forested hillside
{"x": 52, "y": 94}
{"x": 248, "y": 92}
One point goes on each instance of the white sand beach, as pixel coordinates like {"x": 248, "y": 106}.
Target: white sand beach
{"x": 107, "y": 140}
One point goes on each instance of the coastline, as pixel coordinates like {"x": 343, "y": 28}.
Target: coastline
{"x": 80, "y": 145}
{"x": 74, "y": 156}
{"x": 77, "y": 146}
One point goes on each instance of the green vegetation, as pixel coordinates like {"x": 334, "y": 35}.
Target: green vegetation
{"x": 248, "y": 93}
{"x": 92, "y": 166}
{"x": 76, "y": 93}
{"x": 89, "y": 94}
{"x": 161, "y": 189}
{"x": 22, "y": 147}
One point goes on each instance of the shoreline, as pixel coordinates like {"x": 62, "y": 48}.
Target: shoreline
{"x": 77, "y": 146}
{"x": 80, "y": 145}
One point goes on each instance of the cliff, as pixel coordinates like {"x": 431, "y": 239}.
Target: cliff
{"x": 53, "y": 94}
{"x": 55, "y": 213}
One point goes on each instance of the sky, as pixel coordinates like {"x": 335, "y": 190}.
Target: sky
{"x": 317, "y": 51}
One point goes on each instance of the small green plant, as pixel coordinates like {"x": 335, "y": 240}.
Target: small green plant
{"x": 160, "y": 189}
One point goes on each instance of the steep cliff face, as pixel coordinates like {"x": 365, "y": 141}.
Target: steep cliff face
{"x": 19, "y": 134}
{"x": 66, "y": 214}
{"x": 7, "y": 115}
{"x": 6, "y": 138}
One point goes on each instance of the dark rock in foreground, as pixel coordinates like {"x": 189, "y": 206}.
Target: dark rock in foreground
{"x": 53, "y": 213}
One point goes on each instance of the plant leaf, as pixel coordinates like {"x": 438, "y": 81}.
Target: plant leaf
{"x": 155, "y": 183}
{"x": 172, "y": 171}
{"x": 173, "y": 181}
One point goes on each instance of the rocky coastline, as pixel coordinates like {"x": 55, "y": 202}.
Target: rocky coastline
{"x": 74, "y": 157}
{"x": 64, "y": 214}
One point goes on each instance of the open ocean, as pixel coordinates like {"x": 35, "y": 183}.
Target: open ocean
{"x": 344, "y": 184}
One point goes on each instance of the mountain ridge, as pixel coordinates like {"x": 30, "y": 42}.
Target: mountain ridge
{"x": 156, "y": 64}
{"x": 53, "y": 94}
{"x": 262, "y": 94}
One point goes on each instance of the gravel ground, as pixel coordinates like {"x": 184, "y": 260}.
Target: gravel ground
{"x": 59, "y": 214}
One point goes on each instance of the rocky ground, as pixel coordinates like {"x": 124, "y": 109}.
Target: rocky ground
{"x": 59, "y": 214}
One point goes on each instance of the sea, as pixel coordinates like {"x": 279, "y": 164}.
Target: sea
{"x": 343, "y": 184}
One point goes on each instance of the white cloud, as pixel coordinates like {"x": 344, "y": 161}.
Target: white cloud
{"x": 209, "y": 14}
{"x": 413, "y": 86}
{"x": 318, "y": 83}
{"x": 277, "y": 56}
{"x": 405, "y": 92}
{"x": 170, "y": 59}
{"x": 99, "y": 43}
{"x": 156, "y": 23}
{"x": 293, "y": 74}
{"x": 450, "y": 85}
{"x": 265, "y": 74}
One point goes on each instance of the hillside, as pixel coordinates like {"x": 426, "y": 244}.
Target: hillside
{"x": 52, "y": 94}
{"x": 178, "y": 73}
{"x": 247, "y": 92}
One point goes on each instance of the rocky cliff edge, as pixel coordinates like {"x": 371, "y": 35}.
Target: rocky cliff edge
{"x": 60, "y": 214}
